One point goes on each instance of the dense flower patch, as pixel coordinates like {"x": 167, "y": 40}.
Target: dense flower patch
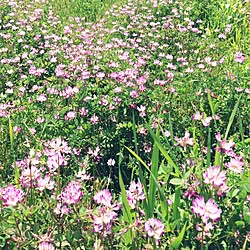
{"x": 128, "y": 133}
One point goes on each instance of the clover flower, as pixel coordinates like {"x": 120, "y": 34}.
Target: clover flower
{"x": 135, "y": 193}
{"x": 72, "y": 193}
{"x": 103, "y": 197}
{"x": 225, "y": 147}
{"x": 154, "y": 228}
{"x": 46, "y": 246}
{"x": 11, "y": 196}
{"x": 238, "y": 57}
{"x": 206, "y": 210}
{"x": 184, "y": 141}
{"x": 216, "y": 178}
{"x": 235, "y": 164}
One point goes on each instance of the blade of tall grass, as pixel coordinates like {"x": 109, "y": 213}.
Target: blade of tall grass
{"x": 141, "y": 176}
{"x": 162, "y": 196}
{"x": 212, "y": 106}
{"x": 176, "y": 243}
{"x": 152, "y": 185}
{"x": 209, "y": 148}
{"x": 16, "y": 169}
{"x": 177, "y": 201}
{"x": 164, "y": 152}
{"x": 231, "y": 119}
{"x": 127, "y": 215}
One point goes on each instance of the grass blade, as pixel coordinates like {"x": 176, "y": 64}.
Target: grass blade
{"x": 164, "y": 152}
{"x": 176, "y": 243}
{"x": 152, "y": 185}
{"x": 231, "y": 119}
{"x": 162, "y": 196}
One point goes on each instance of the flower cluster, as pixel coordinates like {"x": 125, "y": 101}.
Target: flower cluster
{"x": 216, "y": 179}
{"x": 106, "y": 214}
{"x": 206, "y": 210}
{"x": 135, "y": 193}
{"x": 11, "y": 195}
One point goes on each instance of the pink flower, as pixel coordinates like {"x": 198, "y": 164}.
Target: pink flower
{"x": 45, "y": 183}
{"x": 135, "y": 193}
{"x": 154, "y": 228}
{"x": 206, "y": 211}
{"x": 134, "y": 94}
{"x": 206, "y": 121}
{"x": 238, "y": 57}
{"x": 103, "y": 197}
{"x": 41, "y": 98}
{"x": 94, "y": 119}
{"x": 235, "y": 164}
{"x": 11, "y": 196}
{"x": 225, "y": 147}
{"x": 83, "y": 112}
{"x": 61, "y": 209}
{"x": 103, "y": 220}
{"x": 72, "y": 193}
{"x": 29, "y": 176}
{"x": 215, "y": 177}
{"x": 111, "y": 162}
{"x": 71, "y": 115}
{"x": 186, "y": 140}
{"x": 46, "y": 246}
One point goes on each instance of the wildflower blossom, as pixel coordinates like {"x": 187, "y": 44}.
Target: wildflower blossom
{"x": 154, "y": 228}
{"x": 103, "y": 220}
{"x": 111, "y": 162}
{"x": 206, "y": 211}
{"x": 236, "y": 164}
{"x": 46, "y": 246}
{"x": 186, "y": 140}
{"x": 11, "y": 196}
{"x": 45, "y": 183}
{"x": 238, "y": 57}
{"x": 103, "y": 197}
{"x": 29, "y": 176}
{"x": 72, "y": 193}
{"x": 135, "y": 193}
{"x": 214, "y": 176}
{"x": 225, "y": 147}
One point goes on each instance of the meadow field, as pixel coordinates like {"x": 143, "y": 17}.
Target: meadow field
{"x": 124, "y": 124}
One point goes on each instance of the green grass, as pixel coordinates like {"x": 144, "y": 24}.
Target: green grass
{"x": 91, "y": 11}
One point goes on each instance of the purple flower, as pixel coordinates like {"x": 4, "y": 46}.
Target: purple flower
{"x": 46, "y": 246}
{"x": 225, "y": 147}
{"x": 154, "y": 228}
{"x": 235, "y": 164}
{"x": 186, "y": 140}
{"x": 71, "y": 115}
{"x": 103, "y": 197}
{"x": 135, "y": 193}
{"x": 45, "y": 183}
{"x": 206, "y": 211}
{"x": 238, "y": 57}
{"x": 214, "y": 176}
{"x": 11, "y": 196}
{"x": 72, "y": 193}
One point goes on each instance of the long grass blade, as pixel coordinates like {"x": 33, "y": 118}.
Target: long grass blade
{"x": 162, "y": 196}
{"x": 164, "y": 152}
{"x": 231, "y": 119}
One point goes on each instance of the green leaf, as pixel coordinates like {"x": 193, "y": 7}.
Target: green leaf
{"x": 176, "y": 181}
{"x": 162, "y": 196}
{"x": 232, "y": 116}
{"x": 164, "y": 152}
{"x": 176, "y": 243}
{"x": 152, "y": 185}
{"x": 246, "y": 214}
